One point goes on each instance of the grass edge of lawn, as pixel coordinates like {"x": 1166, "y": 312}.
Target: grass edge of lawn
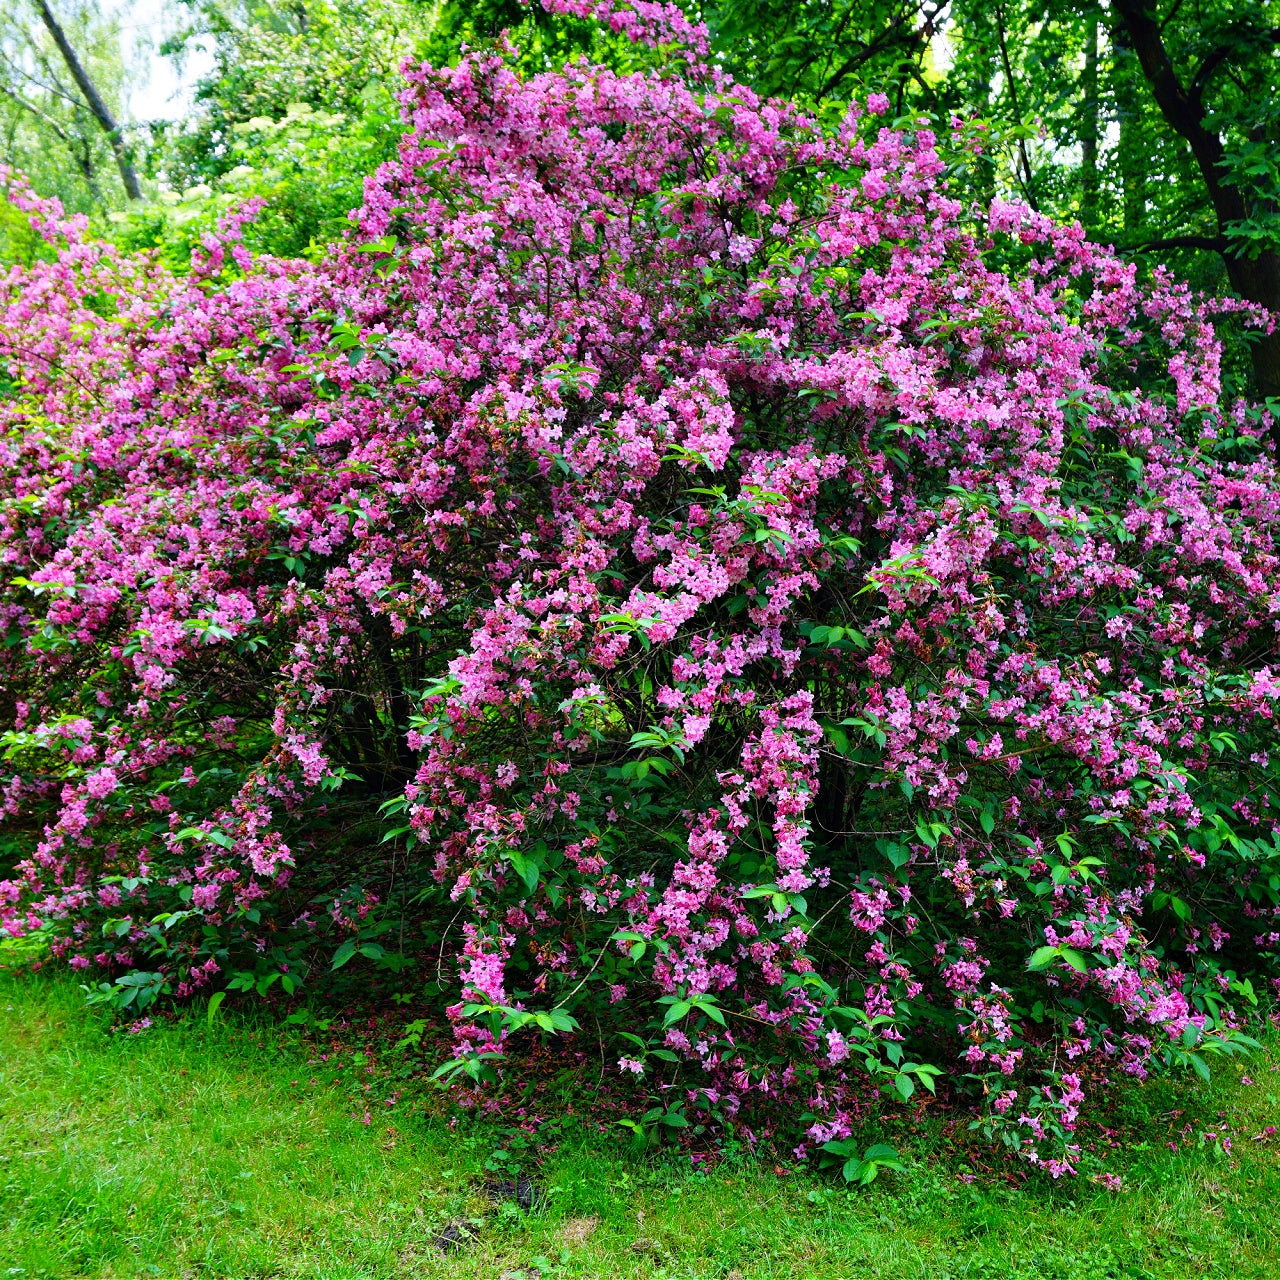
{"x": 221, "y": 1150}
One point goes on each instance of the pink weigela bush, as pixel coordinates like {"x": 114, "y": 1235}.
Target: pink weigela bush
{"x": 810, "y": 635}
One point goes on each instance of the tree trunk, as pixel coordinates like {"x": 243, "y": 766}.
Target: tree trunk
{"x": 1258, "y": 280}
{"x": 93, "y": 98}
{"x": 1255, "y": 279}
{"x": 1011, "y": 91}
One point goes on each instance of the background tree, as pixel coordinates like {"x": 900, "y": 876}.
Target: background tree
{"x": 1156, "y": 124}
{"x": 94, "y": 100}
{"x": 335, "y": 56}
{"x": 828, "y": 50}
{"x": 1214, "y": 84}
{"x": 66, "y": 128}
{"x": 300, "y": 105}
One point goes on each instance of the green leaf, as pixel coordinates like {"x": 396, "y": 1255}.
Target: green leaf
{"x": 676, "y": 1012}
{"x": 1042, "y": 957}
{"x": 881, "y": 1153}
{"x": 712, "y": 1012}
{"x": 215, "y": 1003}
{"x": 899, "y": 855}
{"x": 344, "y": 953}
{"x": 526, "y": 868}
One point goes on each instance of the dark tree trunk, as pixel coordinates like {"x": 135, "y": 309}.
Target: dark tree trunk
{"x": 1258, "y": 279}
{"x": 1255, "y": 279}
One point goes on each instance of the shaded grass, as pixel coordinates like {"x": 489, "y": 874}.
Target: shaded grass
{"x": 224, "y": 1151}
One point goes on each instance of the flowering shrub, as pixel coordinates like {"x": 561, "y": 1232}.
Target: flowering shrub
{"x": 739, "y": 605}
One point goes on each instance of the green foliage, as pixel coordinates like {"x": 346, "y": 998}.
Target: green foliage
{"x": 300, "y": 107}
{"x": 339, "y": 57}
{"x": 19, "y": 242}
{"x": 307, "y": 166}
{"x": 826, "y": 50}
{"x": 861, "y": 1169}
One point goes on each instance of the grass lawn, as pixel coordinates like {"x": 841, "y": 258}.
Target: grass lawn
{"x": 232, "y": 1151}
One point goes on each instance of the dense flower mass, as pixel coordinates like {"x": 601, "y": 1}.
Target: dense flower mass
{"x": 679, "y": 577}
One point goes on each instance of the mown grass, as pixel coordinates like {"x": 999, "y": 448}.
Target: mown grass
{"x": 224, "y": 1151}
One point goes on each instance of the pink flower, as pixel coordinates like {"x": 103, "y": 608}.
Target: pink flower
{"x": 101, "y": 783}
